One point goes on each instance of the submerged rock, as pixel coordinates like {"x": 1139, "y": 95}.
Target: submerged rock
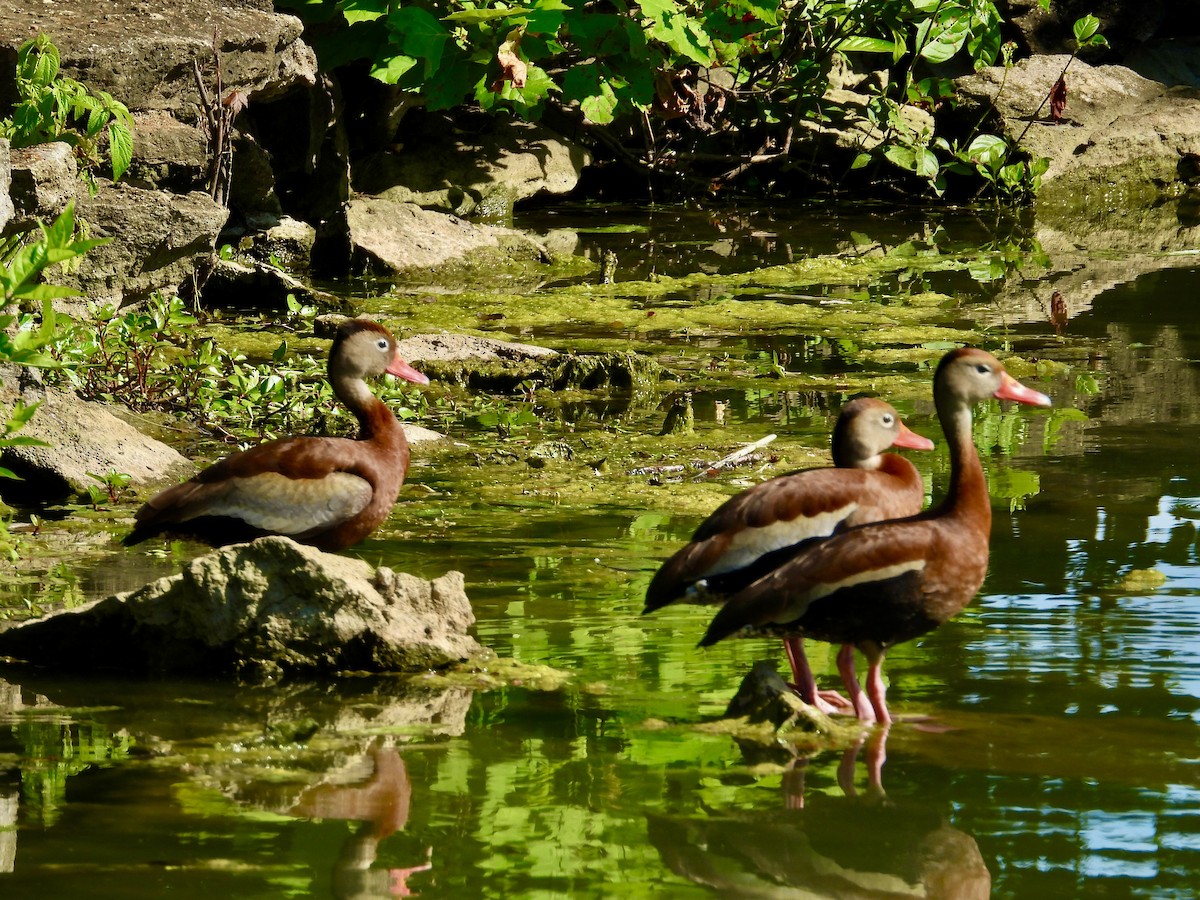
{"x": 262, "y": 609}
{"x": 764, "y": 696}
{"x": 449, "y": 347}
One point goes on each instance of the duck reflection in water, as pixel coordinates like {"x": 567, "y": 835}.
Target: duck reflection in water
{"x": 859, "y": 845}
{"x": 381, "y": 801}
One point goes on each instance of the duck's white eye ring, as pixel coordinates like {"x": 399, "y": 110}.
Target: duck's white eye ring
{"x": 887, "y": 419}
{"x": 983, "y": 368}
{"x": 382, "y": 343}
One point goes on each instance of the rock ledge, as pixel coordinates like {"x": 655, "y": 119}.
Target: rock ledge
{"x": 261, "y": 610}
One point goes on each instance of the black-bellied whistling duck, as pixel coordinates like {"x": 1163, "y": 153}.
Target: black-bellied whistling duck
{"x": 879, "y": 585}
{"x": 330, "y": 492}
{"x": 743, "y": 539}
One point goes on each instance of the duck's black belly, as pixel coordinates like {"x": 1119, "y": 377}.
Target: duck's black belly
{"x": 886, "y": 612}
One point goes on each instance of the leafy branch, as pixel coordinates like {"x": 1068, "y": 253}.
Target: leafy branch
{"x": 1087, "y": 34}
{"x": 52, "y": 107}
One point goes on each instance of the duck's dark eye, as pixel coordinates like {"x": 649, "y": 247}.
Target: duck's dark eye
{"x": 983, "y": 368}
{"x": 382, "y": 343}
{"x": 887, "y": 419}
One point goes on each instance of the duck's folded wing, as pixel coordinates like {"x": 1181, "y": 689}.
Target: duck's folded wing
{"x": 778, "y": 513}
{"x": 268, "y": 501}
{"x": 859, "y": 557}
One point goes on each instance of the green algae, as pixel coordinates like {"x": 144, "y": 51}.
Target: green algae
{"x": 701, "y": 303}
{"x": 1137, "y": 581}
{"x": 613, "y": 468}
{"x": 490, "y": 672}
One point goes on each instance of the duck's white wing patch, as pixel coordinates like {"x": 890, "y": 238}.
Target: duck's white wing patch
{"x": 273, "y": 502}
{"x": 883, "y": 573}
{"x": 751, "y": 543}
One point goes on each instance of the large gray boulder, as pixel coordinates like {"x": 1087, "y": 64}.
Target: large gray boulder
{"x": 6, "y": 204}
{"x": 456, "y": 170}
{"x": 44, "y": 179}
{"x": 1120, "y": 132}
{"x": 82, "y": 438}
{"x": 263, "y": 609}
{"x": 142, "y": 56}
{"x": 393, "y": 237}
{"x": 159, "y": 240}
{"x": 147, "y": 60}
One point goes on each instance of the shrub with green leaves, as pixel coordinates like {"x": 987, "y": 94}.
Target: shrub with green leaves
{"x": 152, "y": 359}
{"x": 24, "y": 338}
{"x": 697, "y": 94}
{"x": 52, "y": 107}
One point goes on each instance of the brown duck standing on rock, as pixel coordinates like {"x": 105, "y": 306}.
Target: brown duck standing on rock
{"x": 751, "y": 533}
{"x": 878, "y": 585}
{"x": 330, "y": 492}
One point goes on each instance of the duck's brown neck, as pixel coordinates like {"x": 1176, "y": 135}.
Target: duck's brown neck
{"x": 968, "y": 495}
{"x": 375, "y": 420}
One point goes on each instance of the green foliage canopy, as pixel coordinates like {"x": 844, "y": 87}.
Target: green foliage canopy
{"x": 685, "y": 80}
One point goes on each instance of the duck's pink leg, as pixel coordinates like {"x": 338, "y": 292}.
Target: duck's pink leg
{"x": 845, "y": 664}
{"x": 828, "y": 702}
{"x": 876, "y": 689}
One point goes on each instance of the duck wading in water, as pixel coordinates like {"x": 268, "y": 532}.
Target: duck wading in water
{"x": 878, "y": 585}
{"x": 750, "y": 534}
{"x": 330, "y": 492}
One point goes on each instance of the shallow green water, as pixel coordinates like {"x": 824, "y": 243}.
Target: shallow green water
{"x": 1059, "y": 756}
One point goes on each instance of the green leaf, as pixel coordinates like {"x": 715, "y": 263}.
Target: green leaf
{"x": 940, "y": 39}
{"x": 987, "y": 149}
{"x": 658, "y": 10}
{"x": 21, "y": 414}
{"x": 363, "y": 10}
{"x": 1085, "y": 28}
{"x": 683, "y": 35}
{"x": 120, "y": 148}
{"x": 863, "y": 159}
{"x": 902, "y": 157}
{"x": 926, "y": 163}
{"x": 392, "y": 69}
{"x": 40, "y": 292}
{"x": 419, "y": 34}
{"x": 860, "y": 44}
{"x": 475, "y": 16}
{"x": 600, "y": 34}
{"x": 455, "y": 80}
{"x": 984, "y": 45}
{"x": 45, "y": 67}
{"x": 23, "y": 441}
{"x": 595, "y": 94}
{"x": 96, "y": 120}
{"x": 538, "y": 84}
{"x": 765, "y": 11}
